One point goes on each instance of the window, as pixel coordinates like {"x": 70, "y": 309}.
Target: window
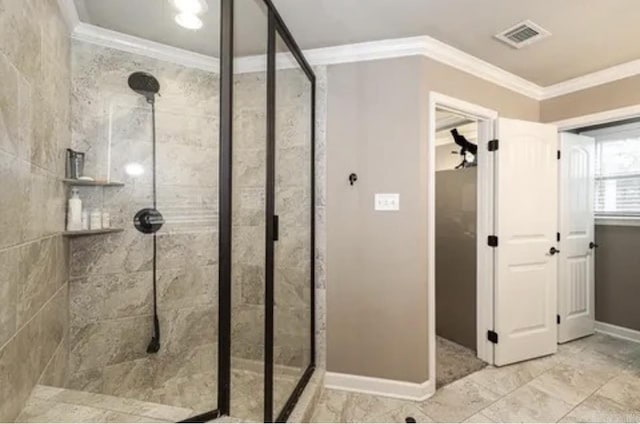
{"x": 617, "y": 170}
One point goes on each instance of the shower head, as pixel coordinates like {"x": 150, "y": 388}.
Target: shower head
{"x": 145, "y": 84}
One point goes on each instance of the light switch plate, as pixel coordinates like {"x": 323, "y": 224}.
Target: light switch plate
{"x": 387, "y": 202}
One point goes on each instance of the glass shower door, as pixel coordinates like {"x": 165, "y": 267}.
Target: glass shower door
{"x": 248, "y": 173}
{"x": 270, "y": 168}
{"x": 293, "y": 207}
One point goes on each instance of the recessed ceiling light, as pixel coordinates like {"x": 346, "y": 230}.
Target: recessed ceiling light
{"x": 193, "y": 7}
{"x": 189, "y": 21}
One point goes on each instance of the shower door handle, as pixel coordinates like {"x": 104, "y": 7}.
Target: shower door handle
{"x": 276, "y": 227}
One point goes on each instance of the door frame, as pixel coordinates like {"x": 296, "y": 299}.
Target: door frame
{"x": 604, "y": 117}
{"x": 486, "y": 119}
{"x": 596, "y": 118}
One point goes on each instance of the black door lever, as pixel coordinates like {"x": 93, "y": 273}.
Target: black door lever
{"x": 593, "y": 245}
{"x": 553, "y": 251}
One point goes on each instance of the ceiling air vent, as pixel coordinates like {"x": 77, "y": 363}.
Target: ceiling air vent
{"x": 523, "y": 34}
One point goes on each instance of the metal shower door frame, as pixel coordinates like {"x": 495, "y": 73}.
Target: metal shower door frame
{"x": 277, "y": 26}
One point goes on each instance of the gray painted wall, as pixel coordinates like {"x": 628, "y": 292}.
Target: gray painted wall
{"x": 456, "y": 211}
{"x": 376, "y": 262}
{"x": 618, "y": 276}
{"x": 376, "y": 288}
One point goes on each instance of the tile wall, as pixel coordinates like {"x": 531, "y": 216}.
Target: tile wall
{"x": 34, "y": 132}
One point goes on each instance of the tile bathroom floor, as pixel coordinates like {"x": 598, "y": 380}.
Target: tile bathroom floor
{"x": 595, "y": 379}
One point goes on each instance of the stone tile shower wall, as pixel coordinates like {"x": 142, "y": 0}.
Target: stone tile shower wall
{"x": 34, "y": 131}
{"x": 110, "y": 288}
{"x": 321, "y": 216}
{"x": 111, "y": 276}
{"x": 291, "y": 262}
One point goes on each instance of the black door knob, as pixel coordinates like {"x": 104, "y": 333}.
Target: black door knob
{"x": 553, "y": 251}
{"x": 592, "y": 245}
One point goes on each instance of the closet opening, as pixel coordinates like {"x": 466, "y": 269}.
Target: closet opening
{"x": 456, "y": 237}
{"x": 599, "y": 219}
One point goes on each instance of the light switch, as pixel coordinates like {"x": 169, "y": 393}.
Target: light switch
{"x": 387, "y": 202}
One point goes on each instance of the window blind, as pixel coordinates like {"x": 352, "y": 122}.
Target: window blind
{"x": 618, "y": 171}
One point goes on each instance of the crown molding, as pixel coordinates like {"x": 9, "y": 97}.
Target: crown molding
{"x": 593, "y": 79}
{"x": 448, "y": 55}
{"x": 376, "y": 50}
{"x": 69, "y": 13}
{"x": 385, "y": 49}
{"x": 349, "y": 53}
{"x": 373, "y": 50}
{"x": 402, "y": 47}
{"x": 428, "y": 47}
{"x": 136, "y": 45}
{"x": 441, "y": 52}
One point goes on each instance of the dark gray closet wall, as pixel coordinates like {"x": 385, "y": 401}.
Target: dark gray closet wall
{"x": 456, "y": 193}
{"x": 618, "y": 275}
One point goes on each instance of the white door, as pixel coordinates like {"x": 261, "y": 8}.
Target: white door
{"x": 576, "y": 289}
{"x": 526, "y": 225}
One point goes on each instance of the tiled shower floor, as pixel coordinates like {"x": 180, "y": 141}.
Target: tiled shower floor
{"x": 52, "y": 404}
{"x": 196, "y": 392}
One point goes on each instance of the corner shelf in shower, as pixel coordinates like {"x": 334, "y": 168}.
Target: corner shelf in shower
{"x": 92, "y": 232}
{"x": 87, "y": 183}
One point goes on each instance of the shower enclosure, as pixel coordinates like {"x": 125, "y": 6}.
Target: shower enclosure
{"x": 267, "y": 224}
{"x": 196, "y": 299}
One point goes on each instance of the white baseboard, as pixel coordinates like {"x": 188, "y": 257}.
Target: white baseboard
{"x": 619, "y": 332}
{"x": 379, "y": 386}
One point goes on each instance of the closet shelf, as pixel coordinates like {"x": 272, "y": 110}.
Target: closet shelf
{"x": 87, "y": 183}
{"x": 92, "y": 232}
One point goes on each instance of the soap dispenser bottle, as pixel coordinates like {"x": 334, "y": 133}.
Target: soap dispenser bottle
{"x": 74, "y": 211}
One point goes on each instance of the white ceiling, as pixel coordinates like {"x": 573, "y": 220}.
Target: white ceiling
{"x": 588, "y": 35}
{"x": 446, "y": 120}
{"x": 153, "y": 20}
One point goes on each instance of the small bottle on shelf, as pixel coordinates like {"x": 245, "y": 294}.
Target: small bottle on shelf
{"x": 74, "y": 211}
{"x": 95, "y": 220}
{"x": 85, "y": 219}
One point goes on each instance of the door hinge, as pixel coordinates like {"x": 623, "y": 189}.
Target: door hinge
{"x": 492, "y": 241}
{"x": 558, "y": 236}
{"x": 559, "y": 155}
{"x": 492, "y": 336}
{"x": 493, "y": 145}
{"x": 558, "y": 319}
